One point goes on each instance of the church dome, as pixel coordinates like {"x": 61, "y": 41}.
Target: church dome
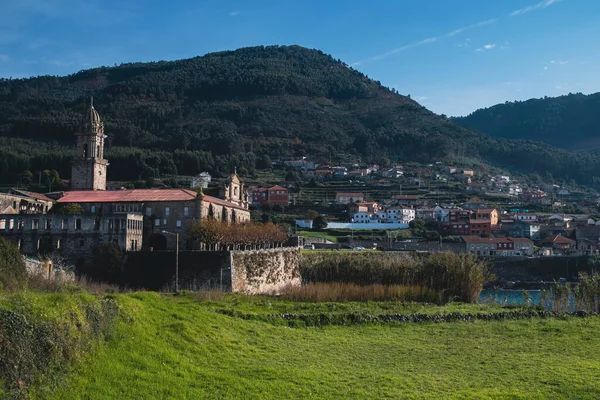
{"x": 91, "y": 120}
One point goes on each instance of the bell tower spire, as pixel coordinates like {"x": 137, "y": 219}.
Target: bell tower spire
{"x": 88, "y": 170}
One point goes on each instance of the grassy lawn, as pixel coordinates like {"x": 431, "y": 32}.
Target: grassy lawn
{"x": 312, "y": 234}
{"x": 179, "y": 348}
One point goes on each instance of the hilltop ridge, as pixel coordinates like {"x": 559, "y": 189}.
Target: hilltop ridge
{"x": 231, "y": 108}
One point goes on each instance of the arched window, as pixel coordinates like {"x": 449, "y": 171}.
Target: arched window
{"x": 98, "y": 151}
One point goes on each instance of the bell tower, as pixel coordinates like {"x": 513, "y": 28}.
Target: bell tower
{"x": 88, "y": 171}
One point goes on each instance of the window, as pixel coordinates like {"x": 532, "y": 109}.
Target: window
{"x": 186, "y": 211}
{"x": 48, "y": 225}
{"x": 179, "y": 223}
{"x": 78, "y": 224}
{"x": 148, "y": 211}
{"x": 97, "y": 224}
{"x": 20, "y": 224}
{"x": 93, "y": 209}
{"x": 37, "y": 245}
{"x": 167, "y": 211}
{"x": 35, "y": 224}
{"x": 65, "y": 224}
{"x": 58, "y": 244}
{"x": 157, "y": 222}
{"x": 2, "y": 223}
{"x": 131, "y": 246}
{"x": 164, "y": 221}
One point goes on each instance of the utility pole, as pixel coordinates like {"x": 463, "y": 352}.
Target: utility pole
{"x": 176, "y": 258}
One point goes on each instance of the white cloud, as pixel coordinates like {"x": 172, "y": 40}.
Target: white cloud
{"x": 423, "y": 42}
{"x": 234, "y": 13}
{"x": 4, "y": 57}
{"x": 533, "y": 7}
{"x": 545, "y": 68}
{"x": 486, "y": 47}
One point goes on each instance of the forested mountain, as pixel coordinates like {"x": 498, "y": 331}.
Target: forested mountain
{"x": 232, "y": 108}
{"x": 571, "y": 122}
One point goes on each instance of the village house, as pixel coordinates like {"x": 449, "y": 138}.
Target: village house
{"x": 468, "y": 172}
{"x": 490, "y": 214}
{"x": 525, "y": 217}
{"x": 370, "y": 207}
{"x": 408, "y": 199}
{"x": 560, "y": 245}
{"x": 498, "y": 246}
{"x": 348, "y": 198}
{"x": 272, "y": 195}
{"x": 201, "y": 181}
{"x": 521, "y": 229}
{"x": 425, "y": 213}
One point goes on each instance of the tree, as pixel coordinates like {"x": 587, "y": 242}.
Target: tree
{"x": 69, "y": 209}
{"x": 26, "y": 177}
{"x": 320, "y": 223}
{"x": 107, "y": 263}
{"x": 13, "y": 273}
{"x": 312, "y": 214}
{"x": 264, "y": 162}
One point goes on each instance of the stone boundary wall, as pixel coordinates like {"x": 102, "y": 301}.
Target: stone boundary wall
{"x": 245, "y": 271}
{"x": 265, "y": 271}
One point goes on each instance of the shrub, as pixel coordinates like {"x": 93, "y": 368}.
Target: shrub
{"x": 13, "y": 273}
{"x": 42, "y": 336}
{"x": 454, "y": 277}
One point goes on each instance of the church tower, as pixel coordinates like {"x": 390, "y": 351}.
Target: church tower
{"x": 88, "y": 170}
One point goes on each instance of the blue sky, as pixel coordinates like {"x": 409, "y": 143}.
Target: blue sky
{"x": 453, "y": 56}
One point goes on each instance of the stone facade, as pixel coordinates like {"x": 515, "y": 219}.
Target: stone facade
{"x": 265, "y": 271}
{"x": 71, "y": 235}
{"x": 23, "y": 202}
{"x": 89, "y": 166}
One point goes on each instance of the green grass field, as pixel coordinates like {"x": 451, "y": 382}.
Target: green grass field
{"x": 179, "y": 348}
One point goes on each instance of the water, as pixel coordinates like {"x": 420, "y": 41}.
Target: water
{"x": 508, "y": 297}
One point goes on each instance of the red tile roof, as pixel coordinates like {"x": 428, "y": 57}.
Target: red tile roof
{"x": 222, "y": 202}
{"x": 34, "y": 195}
{"x": 480, "y": 221}
{"x": 132, "y": 196}
{"x": 559, "y": 239}
{"x": 277, "y": 187}
{"x": 139, "y": 195}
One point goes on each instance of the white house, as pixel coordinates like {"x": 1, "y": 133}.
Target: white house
{"x": 400, "y": 214}
{"x": 362, "y": 217}
{"x": 201, "y": 180}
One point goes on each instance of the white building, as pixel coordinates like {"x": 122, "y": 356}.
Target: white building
{"x": 201, "y": 180}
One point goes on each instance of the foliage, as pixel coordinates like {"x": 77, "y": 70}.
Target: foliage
{"x": 217, "y": 235}
{"x": 314, "y": 292}
{"x": 68, "y": 209}
{"x": 452, "y": 276}
{"x": 13, "y": 273}
{"x": 43, "y": 335}
{"x": 319, "y": 223}
{"x": 566, "y": 121}
{"x": 232, "y": 108}
{"x": 107, "y": 263}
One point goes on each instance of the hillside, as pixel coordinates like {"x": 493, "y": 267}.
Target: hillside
{"x": 231, "y": 108}
{"x": 570, "y": 122}
{"x": 180, "y": 348}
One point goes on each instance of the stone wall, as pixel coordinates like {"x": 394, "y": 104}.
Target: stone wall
{"x": 253, "y": 272}
{"x": 265, "y": 271}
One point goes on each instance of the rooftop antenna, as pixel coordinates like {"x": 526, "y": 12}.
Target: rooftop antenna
{"x": 92, "y": 101}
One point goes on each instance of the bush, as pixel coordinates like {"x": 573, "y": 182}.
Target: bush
{"x": 13, "y": 273}
{"x": 453, "y": 277}
{"x": 42, "y": 336}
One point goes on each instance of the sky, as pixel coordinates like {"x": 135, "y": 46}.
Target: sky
{"x": 452, "y": 56}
